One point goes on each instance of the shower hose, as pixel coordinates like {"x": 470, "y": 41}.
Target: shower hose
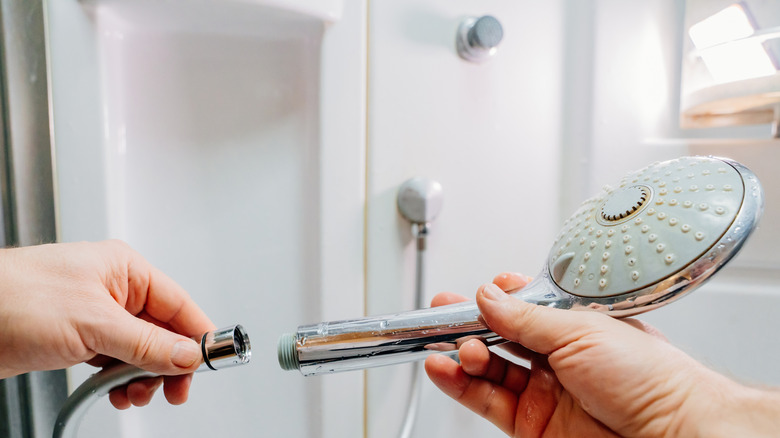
{"x": 415, "y": 387}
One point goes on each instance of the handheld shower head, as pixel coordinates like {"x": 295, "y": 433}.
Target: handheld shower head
{"x": 658, "y": 235}
{"x": 664, "y": 230}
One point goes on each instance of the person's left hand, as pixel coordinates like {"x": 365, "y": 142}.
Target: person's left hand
{"x": 64, "y": 304}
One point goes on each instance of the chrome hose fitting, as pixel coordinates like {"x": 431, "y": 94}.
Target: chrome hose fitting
{"x": 223, "y": 348}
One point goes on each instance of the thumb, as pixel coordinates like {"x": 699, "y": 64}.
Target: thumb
{"x": 539, "y": 328}
{"x": 145, "y": 345}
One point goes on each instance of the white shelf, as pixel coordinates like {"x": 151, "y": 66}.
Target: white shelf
{"x": 747, "y": 102}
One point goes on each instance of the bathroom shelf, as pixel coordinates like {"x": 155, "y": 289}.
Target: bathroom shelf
{"x": 747, "y": 102}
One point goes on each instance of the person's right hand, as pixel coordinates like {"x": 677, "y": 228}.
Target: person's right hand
{"x": 591, "y": 375}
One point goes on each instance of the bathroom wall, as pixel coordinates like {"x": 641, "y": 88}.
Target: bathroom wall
{"x": 578, "y": 94}
{"x": 632, "y": 119}
{"x": 253, "y": 151}
{"x": 490, "y": 134}
{"x": 194, "y": 131}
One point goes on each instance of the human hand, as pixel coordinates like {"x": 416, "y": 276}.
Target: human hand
{"x": 590, "y": 375}
{"x": 64, "y": 304}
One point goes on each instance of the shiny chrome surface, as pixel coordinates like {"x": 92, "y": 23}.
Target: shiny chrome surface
{"x": 29, "y": 402}
{"x": 336, "y": 346}
{"x": 28, "y": 186}
{"x": 221, "y": 348}
{"x": 478, "y": 38}
{"x": 383, "y": 340}
{"x": 224, "y": 348}
{"x": 419, "y": 201}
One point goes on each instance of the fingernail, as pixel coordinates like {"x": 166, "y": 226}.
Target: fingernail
{"x": 493, "y": 292}
{"x": 185, "y": 354}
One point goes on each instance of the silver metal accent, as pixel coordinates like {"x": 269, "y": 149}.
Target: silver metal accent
{"x": 477, "y": 38}
{"x": 383, "y": 340}
{"x": 419, "y": 201}
{"x": 225, "y": 348}
{"x": 29, "y": 402}
{"x": 29, "y": 196}
{"x": 221, "y": 348}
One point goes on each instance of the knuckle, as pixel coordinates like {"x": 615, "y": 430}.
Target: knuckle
{"x": 527, "y": 314}
{"x": 116, "y": 247}
{"x": 117, "y": 243}
{"x": 145, "y": 346}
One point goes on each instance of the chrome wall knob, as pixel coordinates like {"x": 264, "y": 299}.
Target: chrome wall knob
{"x": 478, "y": 38}
{"x": 420, "y": 199}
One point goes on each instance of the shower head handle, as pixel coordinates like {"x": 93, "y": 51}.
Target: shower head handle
{"x": 337, "y": 346}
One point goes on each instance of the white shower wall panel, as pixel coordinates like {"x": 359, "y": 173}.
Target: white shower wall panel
{"x": 197, "y": 139}
{"x": 489, "y": 133}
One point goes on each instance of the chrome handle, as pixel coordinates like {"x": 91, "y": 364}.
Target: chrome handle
{"x": 337, "y": 346}
{"x": 478, "y": 38}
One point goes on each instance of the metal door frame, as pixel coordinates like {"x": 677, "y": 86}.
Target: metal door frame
{"x": 28, "y": 403}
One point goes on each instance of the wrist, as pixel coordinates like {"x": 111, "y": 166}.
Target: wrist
{"x": 731, "y": 409}
{"x": 753, "y": 412}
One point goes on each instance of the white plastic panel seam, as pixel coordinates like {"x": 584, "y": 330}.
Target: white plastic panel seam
{"x": 342, "y": 195}
{"x": 72, "y": 35}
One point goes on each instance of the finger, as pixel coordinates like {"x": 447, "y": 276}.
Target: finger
{"x": 446, "y": 298}
{"x": 476, "y": 360}
{"x": 509, "y": 281}
{"x": 116, "y": 333}
{"x": 140, "y": 392}
{"x": 539, "y": 400}
{"x": 517, "y": 350}
{"x": 101, "y": 361}
{"x": 539, "y": 328}
{"x": 494, "y": 402}
{"x": 118, "y": 398}
{"x": 177, "y": 388}
{"x": 148, "y": 318}
{"x": 162, "y": 298}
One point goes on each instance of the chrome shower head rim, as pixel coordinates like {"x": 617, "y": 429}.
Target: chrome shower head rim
{"x": 691, "y": 275}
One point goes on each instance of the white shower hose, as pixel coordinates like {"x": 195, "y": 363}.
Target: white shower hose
{"x": 415, "y": 386}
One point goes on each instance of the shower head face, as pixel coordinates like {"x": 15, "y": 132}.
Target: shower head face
{"x": 655, "y": 225}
